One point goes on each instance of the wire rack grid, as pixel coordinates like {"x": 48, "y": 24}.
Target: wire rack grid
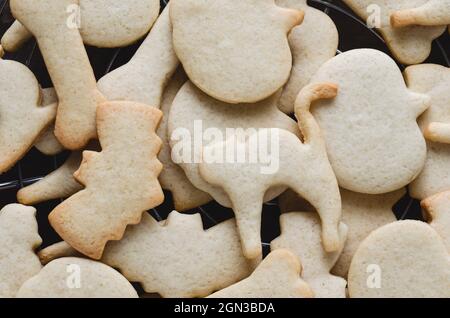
{"x": 353, "y": 33}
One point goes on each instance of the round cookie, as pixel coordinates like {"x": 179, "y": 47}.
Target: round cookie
{"x": 234, "y": 51}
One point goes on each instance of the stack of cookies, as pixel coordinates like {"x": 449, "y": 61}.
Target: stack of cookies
{"x": 239, "y": 102}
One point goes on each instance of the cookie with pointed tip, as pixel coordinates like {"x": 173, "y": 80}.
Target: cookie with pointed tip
{"x": 121, "y": 181}
{"x": 77, "y": 278}
{"x": 234, "y": 51}
{"x": 431, "y": 13}
{"x": 103, "y": 23}
{"x": 68, "y": 65}
{"x": 172, "y": 178}
{"x": 278, "y": 276}
{"x": 409, "y": 45}
{"x": 276, "y": 157}
{"x": 19, "y": 237}
{"x": 145, "y": 76}
{"x": 312, "y": 43}
{"x": 178, "y": 258}
{"x": 362, "y": 213}
{"x": 22, "y": 120}
{"x": 402, "y": 259}
{"x": 434, "y": 81}
{"x": 59, "y": 184}
{"x": 194, "y": 115}
{"x": 47, "y": 143}
{"x": 373, "y": 140}
{"x": 437, "y": 212}
{"x": 300, "y": 233}
{"x": 57, "y": 250}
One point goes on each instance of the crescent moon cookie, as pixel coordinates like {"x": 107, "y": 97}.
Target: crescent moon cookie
{"x": 278, "y": 276}
{"x": 234, "y": 51}
{"x": 103, "y": 23}
{"x": 121, "y": 180}
{"x": 312, "y": 43}
{"x": 68, "y": 65}
{"x": 431, "y": 13}
{"x": 300, "y": 233}
{"x": 404, "y": 259}
{"x": 19, "y": 237}
{"x": 373, "y": 140}
{"x": 22, "y": 119}
{"x": 410, "y": 45}
{"x": 433, "y": 80}
{"x": 172, "y": 178}
{"x": 301, "y": 166}
{"x": 77, "y": 278}
{"x": 194, "y": 115}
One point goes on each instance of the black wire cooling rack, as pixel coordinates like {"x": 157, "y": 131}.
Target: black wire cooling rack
{"x": 353, "y": 34}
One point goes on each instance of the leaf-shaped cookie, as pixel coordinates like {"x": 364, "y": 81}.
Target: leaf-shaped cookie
{"x": 194, "y": 113}
{"x": 77, "y": 278}
{"x": 103, "y": 23}
{"x": 172, "y": 178}
{"x": 178, "y": 258}
{"x": 145, "y": 76}
{"x": 300, "y": 233}
{"x": 22, "y": 119}
{"x": 437, "y": 211}
{"x": 301, "y": 166}
{"x": 373, "y": 140}
{"x": 404, "y": 259}
{"x": 278, "y": 276}
{"x": 312, "y": 43}
{"x": 234, "y": 51}
{"x": 431, "y": 13}
{"x": 68, "y": 65}
{"x": 19, "y": 238}
{"x": 362, "y": 213}
{"x": 410, "y": 45}
{"x": 121, "y": 180}
{"x": 433, "y": 80}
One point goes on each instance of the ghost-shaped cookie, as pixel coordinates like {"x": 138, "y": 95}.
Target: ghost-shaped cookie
{"x": 19, "y": 238}
{"x": 433, "y": 80}
{"x": 373, "y": 140}
{"x": 234, "y": 51}
{"x": 411, "y": 44}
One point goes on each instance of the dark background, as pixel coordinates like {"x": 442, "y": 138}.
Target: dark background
{"x": 353, "y": 34}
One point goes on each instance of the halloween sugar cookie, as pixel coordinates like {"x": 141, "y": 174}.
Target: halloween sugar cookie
{"x": 373, "y": 140}
{"x": 301, "y": 166}
{"x": 404, "y": 259}
{"x": 68, "y": 65}
{"x": 102, "y": 23}
{"x": 234, "y": 51}
{"x": 431, "y": 13}
{"x": 77, "y": 278}
{"x": 300, "y": 233}
{"x": 437, "y": 212}
{"x": 312, "y": 43}
{"x": 278, "y": 276}
{"x": 22, "y": 119}
{"x": 145, "y": 76}
{"x": 410, "y": 45}
{"x": 433, "y": 80}
{"x": 120, "y": 181}
{"x": 19, "y": 237}
{"x": 195, "y": 116}
{"x": 172, "y": 178}
{"x": 178, "y": 258}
